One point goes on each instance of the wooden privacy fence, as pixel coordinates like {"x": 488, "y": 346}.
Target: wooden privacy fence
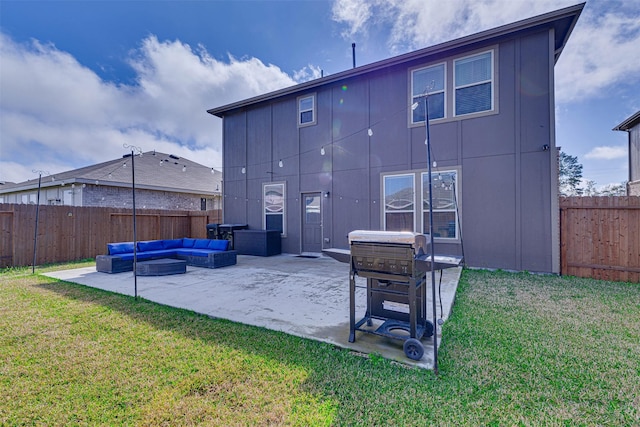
{"x": 600, "y": 237}
{"x": 67, "y": 233}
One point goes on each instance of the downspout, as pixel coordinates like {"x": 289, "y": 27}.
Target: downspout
{"x": 553, "y": 164}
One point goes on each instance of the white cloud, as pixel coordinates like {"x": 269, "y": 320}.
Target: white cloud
{"x": 57, "y": 115}
{"x": 599, "y": 55}
{"x": 307, "y": 73}
{"x": 418, "y": 23}
{"x": 607, "y": 153}
{"x": 600, "y": 52}
{"x": 355, "y": 13}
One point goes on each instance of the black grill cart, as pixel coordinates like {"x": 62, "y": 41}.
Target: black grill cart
{"x": 394, "y": 265}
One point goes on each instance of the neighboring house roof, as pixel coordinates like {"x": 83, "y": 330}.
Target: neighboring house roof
{"x": 563, "y": 21}
{"x": 150, "y": 175}
{"x": 629, "y": 123}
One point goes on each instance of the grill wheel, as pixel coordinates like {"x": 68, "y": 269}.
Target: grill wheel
{"x": 413, "y": 349}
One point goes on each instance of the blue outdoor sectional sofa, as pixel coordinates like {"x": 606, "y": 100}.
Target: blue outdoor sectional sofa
{"x": 197, "y": 252}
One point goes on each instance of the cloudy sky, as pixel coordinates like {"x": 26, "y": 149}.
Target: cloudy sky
{"x": 80, "y": 78}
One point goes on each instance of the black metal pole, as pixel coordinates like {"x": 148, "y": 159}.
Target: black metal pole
{"x": 353, "y": 54}
{"x": 135, "y": 238}
{"x": 433, "y": 272}
{"x": 35, "y": 235}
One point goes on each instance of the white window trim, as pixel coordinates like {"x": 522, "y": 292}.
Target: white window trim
{"x": 284, "y": 206}
{"x": 418, "y": 211}
{"x": 384, "y": 204}
{"x": 444, "y": 91}
{"x": 314, "y": 110}
{"x": 449, "y": 91}
{"x": 492, "y": 81}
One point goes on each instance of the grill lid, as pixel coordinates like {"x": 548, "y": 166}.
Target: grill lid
{"x": 417, "y": 241}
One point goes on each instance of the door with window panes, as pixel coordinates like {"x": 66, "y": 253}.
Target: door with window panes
{"x": 311, "y": 223}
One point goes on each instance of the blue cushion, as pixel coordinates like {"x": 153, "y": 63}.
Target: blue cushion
{"x": 183, "y": 251}
{"x": 139, "y": 256}
{"x": 201, "y": 244}
{"x": 172, "y": 243}
{"x": 120, "y": 248}
{"x": 218, "y": 245}
{"x": 188, "y": 243}
{"x": 162, "y": 253}
{"x": 151, "y": 245}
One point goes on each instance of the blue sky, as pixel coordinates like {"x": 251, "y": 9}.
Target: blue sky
{"x": 80, "y": 78}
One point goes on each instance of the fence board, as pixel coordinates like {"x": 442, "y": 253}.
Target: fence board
{"x": 6, "y": 239}
{"x": 68, "y": 233}
{"x": 600, "y": 237}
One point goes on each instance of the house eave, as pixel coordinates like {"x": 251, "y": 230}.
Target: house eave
{"x": 79, "y": 181}
{"x": 563, "y": 21}
{"x": 629, "y": 123}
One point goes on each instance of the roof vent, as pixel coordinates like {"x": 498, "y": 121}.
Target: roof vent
{"x": 174, "y": 157}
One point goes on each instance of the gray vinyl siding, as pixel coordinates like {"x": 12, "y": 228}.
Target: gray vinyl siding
{"x": 634, "y": 153}
{"x": 506, "y": 177}
{"x": 634, "y": 161}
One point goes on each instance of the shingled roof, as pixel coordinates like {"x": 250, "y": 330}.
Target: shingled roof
{"x": 153, "y": 170}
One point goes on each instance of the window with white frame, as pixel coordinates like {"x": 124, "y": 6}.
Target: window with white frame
{"x": 399, "y": 202}
{"x": 428, "y": 83}
{"x": 444, "y": 198}
{"x": 274, "y": 207}
{"x": 473, "y": 80}
{"x": 306, "y": 110}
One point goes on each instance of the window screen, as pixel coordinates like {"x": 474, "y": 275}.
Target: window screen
{"x": 474, "y": 84}
{"x": 306, "y": 110}
{"x": 428, "y": 81}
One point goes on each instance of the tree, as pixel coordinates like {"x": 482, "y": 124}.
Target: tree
{"x": 570, "y": 175}
{"x": 614, "y": 190}
{"x": 590, "y": 189}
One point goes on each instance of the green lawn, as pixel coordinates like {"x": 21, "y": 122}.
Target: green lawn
{"x": 519, "y": 349}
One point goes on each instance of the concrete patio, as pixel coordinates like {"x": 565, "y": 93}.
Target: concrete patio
{"x": 307, "y": 297}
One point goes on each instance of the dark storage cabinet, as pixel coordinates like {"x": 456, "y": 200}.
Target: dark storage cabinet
{"x": 257, "y": 242}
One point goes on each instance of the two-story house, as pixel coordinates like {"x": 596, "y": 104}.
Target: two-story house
{"x": 632, "y": 126}
{"x": 347, "y": 151}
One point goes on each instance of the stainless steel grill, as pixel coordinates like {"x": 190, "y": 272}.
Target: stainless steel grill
{"x": 386, "y": 252}
{"x": 394, "y": 265}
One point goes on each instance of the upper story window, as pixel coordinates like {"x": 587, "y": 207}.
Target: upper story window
{"x": 473, "y": 80}
{"x": 428, "y": 82}
{"x": 307, "y": 110}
